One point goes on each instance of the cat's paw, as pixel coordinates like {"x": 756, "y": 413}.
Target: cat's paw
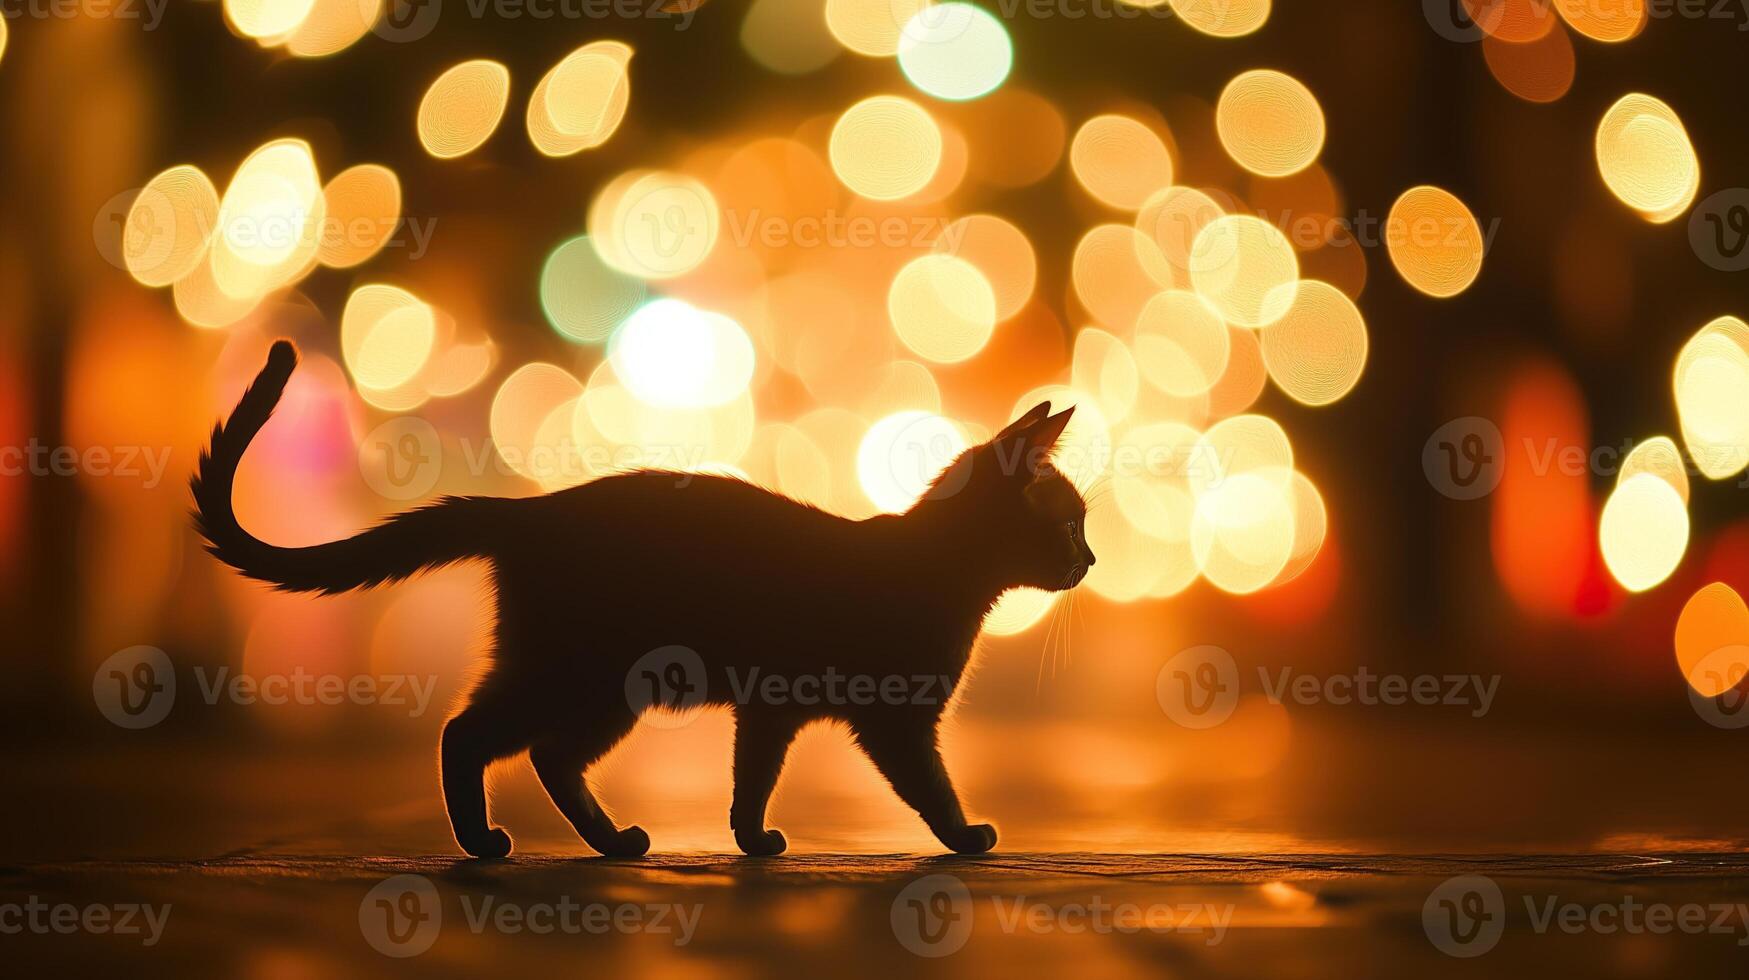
{"x": 631, "y": 842}
{"x": 494, "y": 844}
{"x": 973, "y": 838}
{"x": 766, "y": 843}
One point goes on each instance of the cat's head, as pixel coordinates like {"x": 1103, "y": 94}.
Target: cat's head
{"x": 1026, "y": 517}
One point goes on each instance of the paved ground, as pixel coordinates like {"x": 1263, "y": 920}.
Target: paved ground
{"x": 218, "y": 857}
{"x": 285, "y": 916}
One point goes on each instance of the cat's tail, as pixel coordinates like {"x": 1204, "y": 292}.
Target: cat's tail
{"x": 450, "y": 530}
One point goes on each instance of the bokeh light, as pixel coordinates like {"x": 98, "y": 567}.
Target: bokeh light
{"x": 1643, "y": 531}
{"x": 1618, "y": 20}
{"x": 1511, "y": 21}
{"x": 1712, "y": 639}
{"x": 1018, "y": 610}
{"x": 170, "y": 225}
{"x": 269, "y": 220}
{"x": 1239, "y": 445}
{"x": 1246, "y": 268}
{"x": 885, "y": 147}
{"x": 870, "y": 27}
{"x": 1711, "y": 384}
{"x": 1316, "y": 351}
{"x": 955, "y": 51}
{"x": 1536, "y": 71}
{"x": 1172, "y": 218}
{"x": 1646, "y": 159}
{"x": 942, "y": 307}
{"x": 579, "y": 103}
{"x": 671, "y": 354}
{"x": 364, "y": 208}
{"x": 1120, "y": 161}
{"x": 1182, "y": 344}
{"x": 1115, "y": 271}
{"x": 1659, "y": 457}
{"x": 201, "y": 302}
{"x": 1270, "y": 123}
{"x": 332, "y": 26}
{"x": 654, "y": 224}
{"x": 902, "y": 454}
{"x": 1001, "y": 251}
{"x": 463, "y": 107}
{"x": 386, "y": 336}
{"x": 1103, "y": 366}
{"x": 583, "y": 297}
{"x": 1434, "y": 241}
{"x": 1242, "y": 533}
{"x": 1228, "y": 18}
{"x": 266, "y": 18}
{"x": 525, "y": 401}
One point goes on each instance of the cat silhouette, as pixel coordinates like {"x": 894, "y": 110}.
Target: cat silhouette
{"x": 673, "y": 590}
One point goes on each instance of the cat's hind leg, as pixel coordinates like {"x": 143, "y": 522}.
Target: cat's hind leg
{"x": 489, "y": 729}
{"x": 904, "y": 750}
{"x": 761, "y": 742}
{"x": 560, "y": 760}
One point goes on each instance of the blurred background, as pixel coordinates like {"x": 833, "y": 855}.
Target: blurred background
{"x": 1349, "y": 252}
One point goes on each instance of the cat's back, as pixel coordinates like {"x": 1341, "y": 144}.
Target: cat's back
{"x": 691, "y": 510}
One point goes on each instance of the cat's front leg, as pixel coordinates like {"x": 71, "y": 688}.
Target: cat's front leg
{"x": 761, "y": 743}
{"x": 904, "y": 750}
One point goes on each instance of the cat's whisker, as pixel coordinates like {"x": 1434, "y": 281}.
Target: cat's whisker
{"x": 1063, "y": 612}
{"x": 1048, "y": 649}
{"x": 1045, "y": 647}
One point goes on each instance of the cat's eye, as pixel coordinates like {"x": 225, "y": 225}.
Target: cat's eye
{"x": 1070, "y": 527}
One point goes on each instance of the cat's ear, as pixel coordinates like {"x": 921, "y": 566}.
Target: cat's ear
{"x": 1038, "y": 441}
{"x": 1026, "y": 421}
